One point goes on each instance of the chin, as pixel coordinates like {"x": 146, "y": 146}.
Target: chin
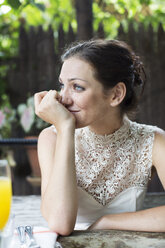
{"x": 80, "y": 124}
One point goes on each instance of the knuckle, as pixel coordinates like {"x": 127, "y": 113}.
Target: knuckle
{"x": 35, "y": 95}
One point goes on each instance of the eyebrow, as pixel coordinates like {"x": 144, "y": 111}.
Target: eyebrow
{"x": 72, "y": 79}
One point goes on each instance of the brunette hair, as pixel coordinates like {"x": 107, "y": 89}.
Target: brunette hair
{"x": 113, "y": 61}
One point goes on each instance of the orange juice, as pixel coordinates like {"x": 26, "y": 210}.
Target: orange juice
{"x": 5, "y": 200}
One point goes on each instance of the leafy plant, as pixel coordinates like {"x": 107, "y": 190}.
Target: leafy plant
{"x": 112, "y": 13}
{"x": 7, "y": 117}
{"x": 29, "y": 122}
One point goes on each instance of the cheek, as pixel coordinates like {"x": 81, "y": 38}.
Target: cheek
{"x": 85, "y": 102}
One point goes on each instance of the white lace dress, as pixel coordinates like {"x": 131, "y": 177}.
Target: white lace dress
{"x": 112, "y": 170}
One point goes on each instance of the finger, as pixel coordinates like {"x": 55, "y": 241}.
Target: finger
{"x": 56, "y": 95}
{"x": 38, "y": 97}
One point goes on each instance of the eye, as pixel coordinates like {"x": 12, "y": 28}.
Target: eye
{"x": 78, "y": 87}
{"x": 61, "y": 85}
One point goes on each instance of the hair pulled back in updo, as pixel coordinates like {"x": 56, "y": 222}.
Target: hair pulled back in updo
{"x": 113, "y": 62}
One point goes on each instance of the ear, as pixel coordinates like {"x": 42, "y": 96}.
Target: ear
{"x": 118, "y": 93}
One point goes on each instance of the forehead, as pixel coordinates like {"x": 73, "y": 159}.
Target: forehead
{"x": 75, "y": 67}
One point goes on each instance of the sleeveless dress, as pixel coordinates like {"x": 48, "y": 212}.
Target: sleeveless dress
{"x": 112, "y": 170}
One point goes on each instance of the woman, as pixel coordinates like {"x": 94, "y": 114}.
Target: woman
{"x": 95, "y": 162}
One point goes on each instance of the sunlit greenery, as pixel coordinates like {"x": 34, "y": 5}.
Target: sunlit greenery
{"x": 54, "y": 12}
{"x": 114, "y": 12}
{"x": 31, "y": 12}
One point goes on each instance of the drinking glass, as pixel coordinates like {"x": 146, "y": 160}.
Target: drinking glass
{"x": 5, "y": 194}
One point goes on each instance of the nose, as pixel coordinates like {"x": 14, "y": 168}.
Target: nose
{"x": 66, "y": 99}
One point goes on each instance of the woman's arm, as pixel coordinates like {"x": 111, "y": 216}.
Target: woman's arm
{"x": 56, "y": 158}
{"x": 151, "y": 220}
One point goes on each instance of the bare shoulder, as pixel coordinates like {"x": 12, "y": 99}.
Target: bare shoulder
{"x": 159, "y": 136}
{"x": 47, "y": 136}
{"x": 159, "y": 146}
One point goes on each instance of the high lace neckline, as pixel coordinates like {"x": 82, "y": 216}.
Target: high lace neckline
{"x": 117, "y": 134}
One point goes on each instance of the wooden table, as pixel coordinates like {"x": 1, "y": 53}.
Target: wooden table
{"x": 113, "y": 239}
{"x": 27, "y": 212}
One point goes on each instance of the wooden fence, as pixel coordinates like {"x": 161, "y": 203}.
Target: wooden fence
{"x": 150, "y": 46}
{"x": 37, "y": 65}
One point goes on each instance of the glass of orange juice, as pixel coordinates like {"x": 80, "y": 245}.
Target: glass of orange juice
{"x": 5, "y": 193}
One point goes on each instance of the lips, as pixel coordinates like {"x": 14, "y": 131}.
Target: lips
{"x": 73, "y": 111}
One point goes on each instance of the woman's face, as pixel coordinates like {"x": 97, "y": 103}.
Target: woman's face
{"x": 82, "y": 94}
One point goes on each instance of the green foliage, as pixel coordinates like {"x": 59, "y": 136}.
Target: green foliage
{"x": 7, "y": 117}
{"x": 61, "y": 12}
{"x": 14, "y": 3}
{"x": 40, "y": 12}
{"x": 23, "y": 116}
{"x": 3, "y": 73}
{"x": 112, "y": 13}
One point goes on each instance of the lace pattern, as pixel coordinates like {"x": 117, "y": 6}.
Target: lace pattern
{"x": 108, "y": 164}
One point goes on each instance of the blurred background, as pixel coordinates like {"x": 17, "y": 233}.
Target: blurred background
{"x": 33, "y": 34}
